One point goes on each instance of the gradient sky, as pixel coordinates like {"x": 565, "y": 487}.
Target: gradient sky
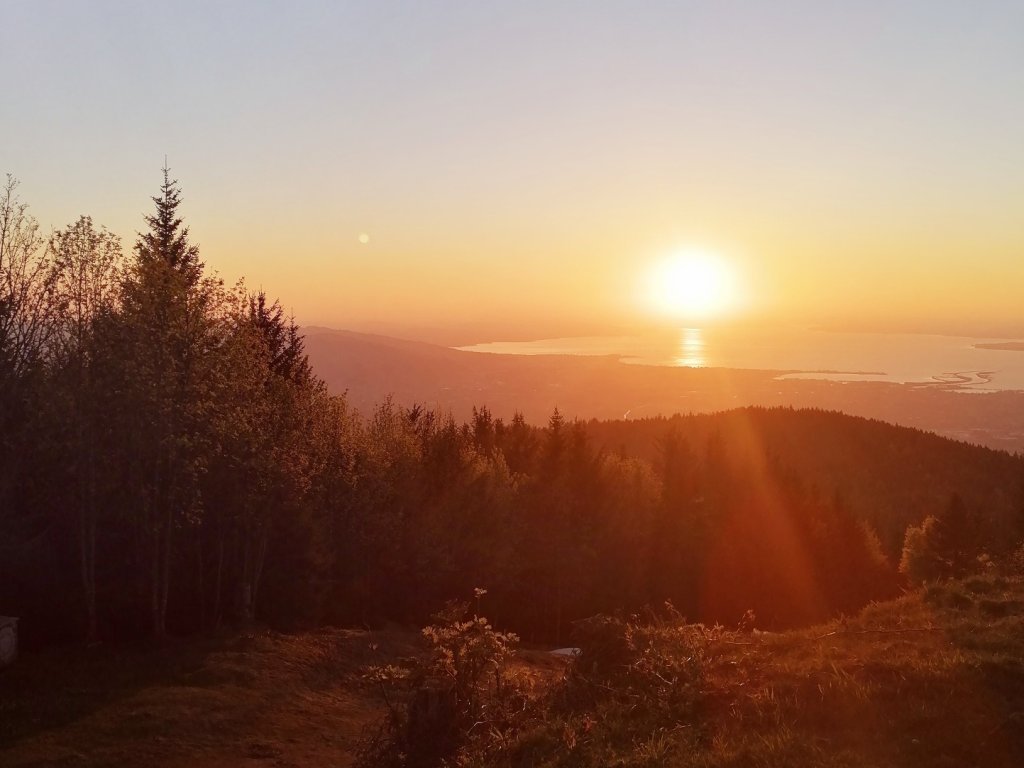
{"x": 859, "y": 163}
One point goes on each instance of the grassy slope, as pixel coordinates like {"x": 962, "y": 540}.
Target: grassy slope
{"x": 261, "y": 699}
{"x": 933, "y": 679}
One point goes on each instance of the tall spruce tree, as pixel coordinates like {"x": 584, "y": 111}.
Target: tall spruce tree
{"x": 168, "y": 359}
{"x": 167, "y": 240}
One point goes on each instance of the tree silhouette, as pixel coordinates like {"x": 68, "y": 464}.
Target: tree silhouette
{"x": 167, "y": 240}
{"x": 165, "y": 348}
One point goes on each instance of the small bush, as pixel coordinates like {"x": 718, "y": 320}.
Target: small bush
{"x": 604, "y": 646}
{"x": 984, "y": 585}
{"x": 659, "y": 662}
{"x": 997, "y": 609}
{"x": 920, "y": 562}
{"x": 949, "y": 594}
{"x": 433, "y": 703}
{"x": 979, "y": 585}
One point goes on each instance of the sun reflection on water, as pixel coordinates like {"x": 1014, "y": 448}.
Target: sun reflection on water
{"x": 691, "y": 349}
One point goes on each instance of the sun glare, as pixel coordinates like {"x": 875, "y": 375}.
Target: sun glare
{"x": 692, "y": 285}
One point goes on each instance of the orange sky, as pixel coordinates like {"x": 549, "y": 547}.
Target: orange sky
{"x": 522, "y": 166}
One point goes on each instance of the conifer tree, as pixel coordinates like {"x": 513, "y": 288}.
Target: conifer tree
{"x": 166, "y": 349}
{"x": 167, "y": 240}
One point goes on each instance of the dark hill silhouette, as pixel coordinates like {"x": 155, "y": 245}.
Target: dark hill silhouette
{"x": 889, "y": 476}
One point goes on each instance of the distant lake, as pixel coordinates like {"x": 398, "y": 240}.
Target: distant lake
{"x": 955, "y": 362}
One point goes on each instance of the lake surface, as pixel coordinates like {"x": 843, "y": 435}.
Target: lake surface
{"x": 948, "y": 361}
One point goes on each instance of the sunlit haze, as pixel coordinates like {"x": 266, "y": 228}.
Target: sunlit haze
{"x": 692, "y": 286}
{"x": 523, "y": 165}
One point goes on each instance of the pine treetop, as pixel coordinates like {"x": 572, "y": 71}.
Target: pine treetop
{"x": 167, "y": 239}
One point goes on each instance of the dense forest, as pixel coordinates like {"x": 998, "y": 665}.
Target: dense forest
{"x": 890, "y": 477}
{"x": 170, "y": 464}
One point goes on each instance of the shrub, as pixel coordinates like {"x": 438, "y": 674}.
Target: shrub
{"x": 658, "y": 662}
{"x": 943, "y": 546}
{"x": 433, "y": 703}
{"x": 920, "y": 562}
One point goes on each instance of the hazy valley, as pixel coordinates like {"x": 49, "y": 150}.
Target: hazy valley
{"x": 369, "y": 367}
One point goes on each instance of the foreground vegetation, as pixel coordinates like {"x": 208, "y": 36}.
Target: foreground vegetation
{"x": 935, "y": 678}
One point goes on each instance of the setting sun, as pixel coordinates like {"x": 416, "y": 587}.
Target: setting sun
{"x": 692, "y": 284}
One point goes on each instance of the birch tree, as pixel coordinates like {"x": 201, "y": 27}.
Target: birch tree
{"x": 87, "y": 263}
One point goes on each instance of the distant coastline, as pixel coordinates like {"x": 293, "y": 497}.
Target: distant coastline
{"x": 1007, "y": 346}
{"x": 949, "y": 362}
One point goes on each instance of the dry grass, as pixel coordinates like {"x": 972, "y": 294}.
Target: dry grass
{"x": 257, "y": 699}
{"x": 933, "y": 679}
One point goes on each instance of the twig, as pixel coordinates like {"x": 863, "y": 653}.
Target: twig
{"x": 845, "y": 632}
{"x": 878, "y": 631}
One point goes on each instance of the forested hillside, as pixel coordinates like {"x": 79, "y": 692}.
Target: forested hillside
{"x": 889, "y": 476}
{"x": 171, "y": 464}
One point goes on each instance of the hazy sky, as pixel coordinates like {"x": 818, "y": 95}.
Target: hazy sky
{"x": 855, "y": 161}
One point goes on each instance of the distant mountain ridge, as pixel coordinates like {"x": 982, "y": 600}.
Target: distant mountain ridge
{"x": 370, "y": 367}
